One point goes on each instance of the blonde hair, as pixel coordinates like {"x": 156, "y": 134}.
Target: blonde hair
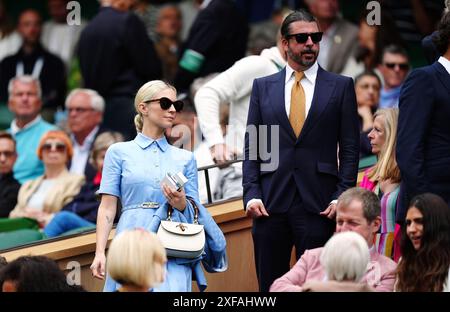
{"x": 345, "y": 257}
{"x": 136, "y": 257}
{"x": 386, "y": 166}
{"x": 147, "y": 92}
{"x": 102, "y": 142}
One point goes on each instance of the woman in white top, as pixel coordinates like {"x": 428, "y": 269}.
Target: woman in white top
{"x": 425, "y": 246}
{"x": 41, "y": 198}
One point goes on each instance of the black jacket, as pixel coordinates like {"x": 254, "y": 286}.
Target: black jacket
{"x": 9, "y": 189}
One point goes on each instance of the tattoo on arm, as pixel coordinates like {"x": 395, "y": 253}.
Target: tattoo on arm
{"x": 109, "y": 220}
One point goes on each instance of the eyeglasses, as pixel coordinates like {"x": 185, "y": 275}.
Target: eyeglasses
{"x": 166, "y": 103}
{"x": 7, "y": 154}
{"x": 59, "y": 147}
{"x": 402, "y": 66}
{"x": 79, "y": 109}
{"x": 303, "y": 37}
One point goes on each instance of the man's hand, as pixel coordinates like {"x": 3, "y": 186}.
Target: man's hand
{"x": 221, "y": 153}
{"x": 256, "y": 210}
{"x": 330, "y": 212}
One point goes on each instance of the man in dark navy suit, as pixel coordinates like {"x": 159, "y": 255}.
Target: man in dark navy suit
{"x": 423, "y": 142}
{"x": 302, "y": 122}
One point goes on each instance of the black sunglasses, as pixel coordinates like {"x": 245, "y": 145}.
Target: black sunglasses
{"x": 303, "y": 37}
{"x": 402, "y": 66}
{"x": 59, "y": 147}
{"x": 166, "y": 103}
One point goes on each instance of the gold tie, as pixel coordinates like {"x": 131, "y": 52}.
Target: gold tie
{"x": 297, "y": 110}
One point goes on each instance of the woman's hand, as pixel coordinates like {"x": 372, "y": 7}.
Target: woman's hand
{"x": 98, "y": 266}
{"x": 176, "y": 199}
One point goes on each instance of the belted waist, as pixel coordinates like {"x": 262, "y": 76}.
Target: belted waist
{"x": 144, "y": 205}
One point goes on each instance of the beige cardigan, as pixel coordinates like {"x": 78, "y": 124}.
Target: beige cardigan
{"x": 67, "y": 186}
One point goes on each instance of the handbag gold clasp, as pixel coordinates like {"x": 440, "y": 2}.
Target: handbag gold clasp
{"x": 182, "y": 227}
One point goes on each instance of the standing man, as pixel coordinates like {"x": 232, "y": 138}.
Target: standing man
{"x": 233, "y": 86}
{"x": 423, "y": 141}
{"x": 9, "y": 187}
{"x": 85, "y": 112}
{"x": 28, "y": 126}
{"x": 311, "y": 114}
{"x": 116, "y": 58}
{"x": 394, "y": 67}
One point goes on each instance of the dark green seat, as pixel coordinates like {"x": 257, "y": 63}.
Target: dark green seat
{"x": 19, "y": 237}
{"x": 79, "y": 230}
{"x": 13, "y": 224}
{"x": 5, "y": 116}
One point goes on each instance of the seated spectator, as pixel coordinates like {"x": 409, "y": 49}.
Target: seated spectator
{"x": 41, "y": 198}
{"x": 27, "y": 127}
{"x": 32, "y": 59}
{"x": 85, "y": 109}
{"x": 34, "y": 274}
{"x": 425, "y": 246}
{"x": 384, "y": 178}
{"x": 367, "y": 89}
{"x": 9, "y": 187}
{"x": 82, "y": 211}
{"x": 357, "y": 210}
{"x": 10, "y": 40}
{"x": 3, "y": 262}
{"x": 136, "y": 260}
{"x": 394, "y": 68}
{"x": 168, "y": 29}
{"x": 58, "y": 36}
{"x": 345, "y": 258}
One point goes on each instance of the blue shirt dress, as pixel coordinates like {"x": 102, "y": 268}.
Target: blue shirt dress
{"x": 133, "y": 172}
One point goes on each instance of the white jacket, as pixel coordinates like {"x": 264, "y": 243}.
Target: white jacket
{"x": 233, "y": 86}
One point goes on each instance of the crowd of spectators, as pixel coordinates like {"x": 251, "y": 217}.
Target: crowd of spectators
{"x": 57, "y": 129}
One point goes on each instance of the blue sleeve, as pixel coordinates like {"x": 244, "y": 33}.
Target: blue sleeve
{"x": 111, "y": 174}
{"x": 191, "y": 186}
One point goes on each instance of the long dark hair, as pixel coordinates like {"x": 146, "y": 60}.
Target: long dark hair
{"x": 426, "y": 269}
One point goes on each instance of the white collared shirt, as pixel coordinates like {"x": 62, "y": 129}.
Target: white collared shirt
{"x": 15, "y": 128}
{"x": 308, "y": 83}
{"x": 81, "y": 152}
{"x": 446, "y": 63}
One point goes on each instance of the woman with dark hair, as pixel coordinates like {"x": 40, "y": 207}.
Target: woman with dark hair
{"x": 34, "y": 274}
{"x": 425, "y": 246}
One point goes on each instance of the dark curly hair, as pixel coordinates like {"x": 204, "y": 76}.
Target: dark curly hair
{"x": 36, "y": 274}
{"x": 442, "y": 39}
{"x": 426, "y": 269}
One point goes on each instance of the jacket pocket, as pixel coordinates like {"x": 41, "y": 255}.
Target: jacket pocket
{"x": 327, "y": 168}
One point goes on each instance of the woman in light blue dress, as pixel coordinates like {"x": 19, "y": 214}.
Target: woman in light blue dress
{"x": 132, "y": 173}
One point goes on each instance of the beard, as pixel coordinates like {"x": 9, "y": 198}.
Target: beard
{"x": 300, "y": 59}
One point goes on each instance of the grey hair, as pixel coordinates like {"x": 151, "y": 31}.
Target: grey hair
{"x": 25, "y": 79}
{"x": 97, "y": 102}
{"x": 345, "y": 257}
{"x": 370, "y": 202}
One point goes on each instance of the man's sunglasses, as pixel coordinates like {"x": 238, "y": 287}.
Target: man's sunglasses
{"x": 303, "y": 37}
{"x": 402, "y": 66}
{"x": 59, "y": 147}
{"x": 166, "y": 103}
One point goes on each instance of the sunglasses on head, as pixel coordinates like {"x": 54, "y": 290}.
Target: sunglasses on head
{"x": 303, "y": 37}
{"x": 59, "y": 147}
{"x": 166, "y": 103}
{"x": 402, "y": 66}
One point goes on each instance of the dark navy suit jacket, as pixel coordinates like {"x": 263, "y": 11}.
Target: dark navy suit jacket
{"x": 309, "y": 163}
{"x": 423, "y": 141}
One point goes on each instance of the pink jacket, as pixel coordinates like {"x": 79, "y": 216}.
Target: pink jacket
{"x": 380, "y": 272}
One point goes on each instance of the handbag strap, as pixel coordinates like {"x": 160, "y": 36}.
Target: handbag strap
{"x": 196, "y": 211}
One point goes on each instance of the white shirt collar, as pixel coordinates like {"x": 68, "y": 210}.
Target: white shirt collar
{"x": 310, "y": 73}
{"x": 15, "y": 128}
{"x": 88, "y": 140}
{"x": 446, "y": 63}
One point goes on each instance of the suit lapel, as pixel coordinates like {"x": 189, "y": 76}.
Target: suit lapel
{"x": 276, "y": 93}
{"x": 322, "y": 92}
{"x": 443, "y": 75}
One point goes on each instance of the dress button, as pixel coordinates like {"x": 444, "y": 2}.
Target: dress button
{"x": 156, "y": 165}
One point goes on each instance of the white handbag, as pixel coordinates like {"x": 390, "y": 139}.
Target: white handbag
{"x": 182, "y": 240}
